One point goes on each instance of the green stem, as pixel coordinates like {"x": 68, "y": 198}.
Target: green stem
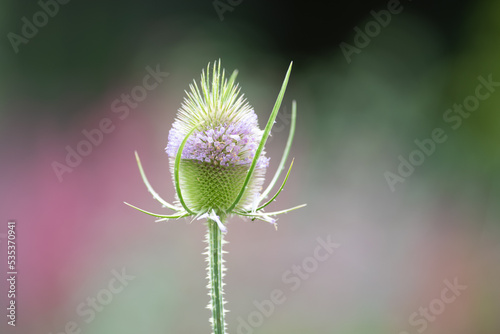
{"x": 215, "y": 275}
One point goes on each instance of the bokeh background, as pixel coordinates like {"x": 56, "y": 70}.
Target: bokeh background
{"x": 354, "y": 120}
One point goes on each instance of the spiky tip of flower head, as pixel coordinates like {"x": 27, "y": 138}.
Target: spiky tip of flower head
{"x": 217, "y": 155}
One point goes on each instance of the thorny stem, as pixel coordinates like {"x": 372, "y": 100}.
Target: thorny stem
{"x": 215, "y": 275}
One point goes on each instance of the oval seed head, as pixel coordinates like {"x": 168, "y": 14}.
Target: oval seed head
{"x": 218, "y": 154}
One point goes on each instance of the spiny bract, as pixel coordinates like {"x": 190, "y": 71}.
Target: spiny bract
{"x": 217, "y": 160}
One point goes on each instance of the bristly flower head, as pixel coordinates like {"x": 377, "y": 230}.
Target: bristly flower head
{"x": 216, "y": 152}
{"x": 217, "y": 155}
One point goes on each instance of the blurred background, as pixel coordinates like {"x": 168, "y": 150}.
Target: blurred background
{"x": 370, "y": 78}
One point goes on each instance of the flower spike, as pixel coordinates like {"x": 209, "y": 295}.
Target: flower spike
{"x": 218, "y": 162}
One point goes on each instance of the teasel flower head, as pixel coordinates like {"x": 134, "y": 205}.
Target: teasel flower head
{"x": 216, "y": 153}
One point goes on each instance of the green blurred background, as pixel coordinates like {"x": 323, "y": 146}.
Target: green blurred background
{"x": 356, "y": 117}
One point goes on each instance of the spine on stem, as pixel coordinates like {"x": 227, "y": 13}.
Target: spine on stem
{"x": 215, "y": 276}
